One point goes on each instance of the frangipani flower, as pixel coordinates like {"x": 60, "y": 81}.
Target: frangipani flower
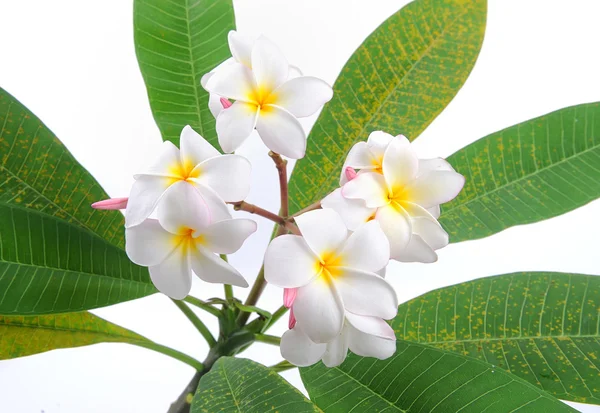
{"x": 404, "y": 199}
{"x": 364, "y": 336}
{"x": 183, "y": 239}
{"x": 332, "y": 272}
{"x": 218, "y": 178}
{"x": 265, "y": 99}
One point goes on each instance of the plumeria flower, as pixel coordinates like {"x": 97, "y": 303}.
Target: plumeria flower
{"x": 364, "y": 336}
{"x": 218, "y": 178}
{"x": 404, "y": 199}
{"x": 265, "y": 99}
{"x": 332, "y": 271}
{"x": 183, "y": 239}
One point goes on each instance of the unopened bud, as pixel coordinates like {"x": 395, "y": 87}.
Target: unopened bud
{"x": 350, "y": 173}
{"x": 226, "y": 103}
{"x": 292, "y": 321}
{"x": 112, "y": 203}
{"x": 289, "y": 295}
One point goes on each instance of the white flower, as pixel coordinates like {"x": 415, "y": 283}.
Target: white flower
{"x": 218, "y": 178}
{"x": 404, "y": 198}
{"x": 364, "y": 336}
{"x": 182, "y": 240}
{"x": 333, "y": 272}
{"x": 265, "y": 99}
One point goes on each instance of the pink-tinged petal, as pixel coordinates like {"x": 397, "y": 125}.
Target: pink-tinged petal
{"x": 367, "y": 249}
{"x": 435, "y": 164}
{"x": 167, "y": 162}
{"x": 289, "y": 262}
{"x": 337, "y": 350}
{"x": 378, "y": 142}
{"x": 212, "y": 269}
{"x": 194, "y": 148}
{"x": 182, "y": 208}
{"x": 145, "y": 194}
{"x": 173, "y": 276}
{"x": 225, "y": 103}
{"x": 235, "y": 124}
{"x": 292, "y": 320}
{"x": 353, "y": 211}
{"x": 366, "y": 345}
{"x": 365, "y": 293}
{"x": 303, "y": 96}
{"x": 281, "y": 132}
{"x": 111, "y": 204}
{"x": 269, "y": 65}
{"x": 226, "y": 237}
{"x": 148, "y": 244}
{"x": 297, "y": 348}
{"x": 396, "y": 225}
{"x": 233, "y": 81}
{"x": 374, "y": 326}
{"x": 319, "y": 310}
{"x": 417, "y": 250}
{"x": 400, "y": 165}
{"x": 323, "y": 230}
{"x": 218, "y": 210}
{"x": 241, "y": 47}
{"x": 435, "y": 188}
{"x": 370, "y": 187}
{"x": 289, "y": 295}
{"x": 350, "y": 173}
{"x": 228, "y": 175}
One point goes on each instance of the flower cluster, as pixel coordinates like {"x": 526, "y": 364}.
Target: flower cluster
{"x": 332, "y": 266}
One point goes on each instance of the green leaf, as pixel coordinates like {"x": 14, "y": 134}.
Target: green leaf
{"x": 176, "y": 43}
{"x": 240, "y": 385}
{"x": 23, "y": 336}
{"x": 38, "y": 172}
{"x": 542, "y": 327}
{"x": 402, "y": 76}
{"x": 526, "y": 173}
{"x": 56, "y": 253}
{"x": 420, "y": 378}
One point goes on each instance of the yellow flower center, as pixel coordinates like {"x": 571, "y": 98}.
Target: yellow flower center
{"x": 185, "y": 238}
{"x": 397, "y": 196}
{"x": 328, "y": 266}
{"x": 183, "y": 171}
{"x": 262, "y": 96}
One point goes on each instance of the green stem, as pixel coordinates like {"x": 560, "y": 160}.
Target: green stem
{"x": 282, "y": 366}
{"x": 196, "y": 322}
{"x": 228, "y": 292}
{"x": 265, "y": 338}
{"x": 280, "y": 312}
{"x": 171, "y": 353}
{"x": 202, "y": 305}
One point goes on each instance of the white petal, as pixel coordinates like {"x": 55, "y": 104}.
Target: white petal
{"x": 289, "y": 263}
{"x": 281, "y": 132}
{"x": 226, "y": 237}
{"x": 211, "y": 268}
{"x": 205, "y": 77}
{"x": 377, "y": 143}
{"x": 214, "y": 104}
{"x": 166, "y": 162}
{"x": 182, "y": 208}
{"x": 148, "y": 244}
{"x": 173, "y": 276}
{"x": 353, "y": 211}
{"x": 303, "y": 96}
{"x": 143, "y": 198}
{"x": 241, "y": 47}
{"x": 435, "y": 164}
{"x": 369, "y": 187}
{"x": 297, "y": 348}
{"x": 269, "y": 65}
{"x": 417, "y": 250}
{"x": 367, "y": 249}
{"x": 319, "y": 310}
{"x": 434, "y": 211}
{"x": 194, "y": 148}
{"x": 359, "y": 157}
{"x": 217, "y": 208}
{"x": 228, "y": 175}
{"x": 425, "y": 225}
{"x": 435, "y": 188}
{"x": 235, "y": 124}
{"x": 294, "y": 72}
{"x": 337, "y": 350}
{"x": 395, "y": 223}
{"x": 365, "y": 293}
{"x": 374, "y": 326}
{"x": 366, "y": 345}
{"x": 233, "y": 81}
{"x": 400, "y": 165}
{"x": 323, "y": 230}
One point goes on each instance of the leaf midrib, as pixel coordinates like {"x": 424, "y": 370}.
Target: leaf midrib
{"x": 496, "y": 339}
{"x": 192, "y": 65}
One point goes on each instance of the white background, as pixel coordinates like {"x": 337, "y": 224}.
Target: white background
{"x": 73, "y": 64}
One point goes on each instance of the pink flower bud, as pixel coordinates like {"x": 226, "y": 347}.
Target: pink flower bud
{"x": 292, "y": 321}
{"x": 226, "y": 103}
{"x": 289, "y": 295}
{"x": 350, "y": 173}
{"x": 112, "y": 203}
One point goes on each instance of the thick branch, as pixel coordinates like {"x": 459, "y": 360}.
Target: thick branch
{"x": 281, "y": 165}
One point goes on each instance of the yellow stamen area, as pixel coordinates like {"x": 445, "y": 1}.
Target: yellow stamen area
{"x": 328, "y": 266}
{"x": 183, "y": 171}
{"x": 263, "y": 96}
{"x": 396, "y": 196}
{"x": 186, "y": 240}
{"x": 377, "y": 164}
